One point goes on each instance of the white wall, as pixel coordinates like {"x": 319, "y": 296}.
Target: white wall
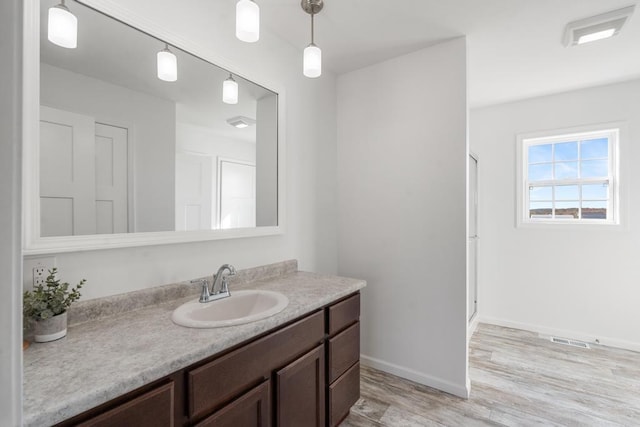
{"x": 402, "y": 160}
{"x": 575, "y": 283}
{"x": 310, "y": 191}
{"x": 199, "y": 139}
{"x": 267, "y": 161}
{"x": 152, "y": 125}
{"x": 10, "y": 213}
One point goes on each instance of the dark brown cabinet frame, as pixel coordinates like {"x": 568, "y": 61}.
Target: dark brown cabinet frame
{"x": 305, "y": 372}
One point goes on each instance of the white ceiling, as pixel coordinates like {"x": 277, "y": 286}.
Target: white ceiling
{"x": 514, "y": 46}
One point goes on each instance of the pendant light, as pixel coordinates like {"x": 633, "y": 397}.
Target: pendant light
{"x": 230, "y": 91}
{"x": 312, "y": 58}
{"x": 247, "y": 21}
{"x": 62, "y": 27}
{"x": 167, "y": 65}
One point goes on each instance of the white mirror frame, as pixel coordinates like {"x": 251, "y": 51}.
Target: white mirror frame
{"x": 33, "y": 244}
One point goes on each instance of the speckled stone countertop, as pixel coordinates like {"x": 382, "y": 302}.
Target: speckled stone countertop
{"x": 106, "y": 356}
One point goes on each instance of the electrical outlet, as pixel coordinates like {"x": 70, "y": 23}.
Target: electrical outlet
{"x": 36, "y": 270}
{"x": 39, "y": 275}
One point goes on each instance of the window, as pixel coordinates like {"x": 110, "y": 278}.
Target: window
{"x": 569, "y": 178}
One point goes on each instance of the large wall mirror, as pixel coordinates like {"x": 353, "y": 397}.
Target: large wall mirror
{"x": 119, "y": 156}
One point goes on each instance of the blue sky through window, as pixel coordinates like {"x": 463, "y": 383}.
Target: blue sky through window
{"x": 556, "y": 171}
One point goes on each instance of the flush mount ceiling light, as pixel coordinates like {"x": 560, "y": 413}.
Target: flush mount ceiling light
{"x": 62, "y": 27}
{"x": 596, "y": 27}
{"x": 230, "y": 91}
{"x": 167, "y": 65}
{"x": 241, "y": 122}
{"x": 312, "y": 60}
{"x": 247, "y": 21}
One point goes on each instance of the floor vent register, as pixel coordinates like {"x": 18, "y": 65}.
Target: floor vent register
{"x": 572, "y": 343}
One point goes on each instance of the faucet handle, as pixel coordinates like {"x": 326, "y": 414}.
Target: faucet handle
{"x": 204, "y": 295}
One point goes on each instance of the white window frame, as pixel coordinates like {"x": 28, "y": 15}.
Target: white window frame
{"x": 613, "y": 132}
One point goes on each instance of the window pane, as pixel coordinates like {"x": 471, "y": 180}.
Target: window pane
{"x": 595, "y": 192}
{"x": 540, "y": 172}
{"x": 566, "y": 170}
{"x": 540, "y": 193}
{"x": 566, "y": 151}
{"x": 539, "y": 153}
{"x": 540, "y": 210}
{"x": 594, "y": 148}
{"x": 594, "y": 209}
{"x": 567, "y": 210}
{"x": 567, "y": 192}
{"x": 594, "y": 168}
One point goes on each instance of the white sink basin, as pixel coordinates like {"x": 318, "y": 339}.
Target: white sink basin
{"x": 241, "y": 307}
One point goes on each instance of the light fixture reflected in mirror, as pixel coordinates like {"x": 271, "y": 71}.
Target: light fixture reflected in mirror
{"x": 312, "y": 58}
{"x": 247, "y": 21}
{"x": 241, "y": 122}
{"x": 167, "y": 65}
{"x": 62, "y": 27}
{"x": 230, "y": 91}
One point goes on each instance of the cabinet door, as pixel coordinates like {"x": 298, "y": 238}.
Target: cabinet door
{"x": 300, "y": 396}
{"x": 252, "y": 409}
{"x": 152, "y": 409}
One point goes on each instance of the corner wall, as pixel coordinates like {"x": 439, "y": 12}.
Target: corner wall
{"x": 11, "y": 213}
{"x": 402, "y": 161}
{"x": 580, "y": 284}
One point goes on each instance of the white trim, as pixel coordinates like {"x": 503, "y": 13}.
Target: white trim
{"x": 473, "y": 326}
{"x": 618, "y": 204}
{"x": 33, "y": 244}
{"x": 575, "y": 335}
{"x": 419, "y": 377}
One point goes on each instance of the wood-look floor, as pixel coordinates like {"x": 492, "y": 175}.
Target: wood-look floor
{"x": 517, "y": 379}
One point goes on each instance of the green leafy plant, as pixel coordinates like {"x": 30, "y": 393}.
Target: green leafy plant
{"x": 50, "y": 299}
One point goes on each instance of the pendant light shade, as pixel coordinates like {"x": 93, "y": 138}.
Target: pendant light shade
{"x": 230, "y": 91}
{"x": 62, "y": 27}
{"x": 312, "y": 57}
{"x": 247, "y": 21}
{"x": 312, "y": 61}
{"x": 167, "y": 65}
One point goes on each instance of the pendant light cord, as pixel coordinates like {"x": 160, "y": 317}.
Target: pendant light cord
{"x": 312, "y": 15}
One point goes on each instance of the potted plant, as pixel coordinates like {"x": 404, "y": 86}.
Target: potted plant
{"x": 47, "y": 307}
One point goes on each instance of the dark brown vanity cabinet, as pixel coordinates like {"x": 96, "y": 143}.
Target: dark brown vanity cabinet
{"x": 343, "y": 355}
{"x": 304, "y": 374}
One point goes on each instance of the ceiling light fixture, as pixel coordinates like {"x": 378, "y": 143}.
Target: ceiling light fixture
{"x": 241, "y": 122}
{"x": 62, "y": 27}
{"x": 230, "y": 91}
{"x": 312, "y": 60}
{"x": 167, "y": 65}
{"x": 247, "y": 21}
{"x": 596, "y": 27}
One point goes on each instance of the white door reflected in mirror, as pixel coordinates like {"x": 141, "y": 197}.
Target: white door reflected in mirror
{"x": 83, "y": 175}
{"x": 237, "y": 194}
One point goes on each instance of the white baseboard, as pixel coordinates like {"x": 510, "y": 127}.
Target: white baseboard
{"x": 473, "y": 325}
{"x": 424, "y": 379}
{"x": 564, "y": 333}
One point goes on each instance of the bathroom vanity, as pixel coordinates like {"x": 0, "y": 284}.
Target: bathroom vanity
{"x": 297, "y": 368}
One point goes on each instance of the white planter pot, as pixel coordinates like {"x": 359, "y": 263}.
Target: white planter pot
{"x": 51, "y": 329}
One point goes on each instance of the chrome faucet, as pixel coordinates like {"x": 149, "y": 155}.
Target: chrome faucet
{"x": 220, "y": 286}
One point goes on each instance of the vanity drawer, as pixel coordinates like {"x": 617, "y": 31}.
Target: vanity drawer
{"x": 344, "y": 313}
{"x": 344, "y": 351}
{"x": 217, "y": 382}
{"x": 152, "y": 409}
{"x": 343, "y": 394}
